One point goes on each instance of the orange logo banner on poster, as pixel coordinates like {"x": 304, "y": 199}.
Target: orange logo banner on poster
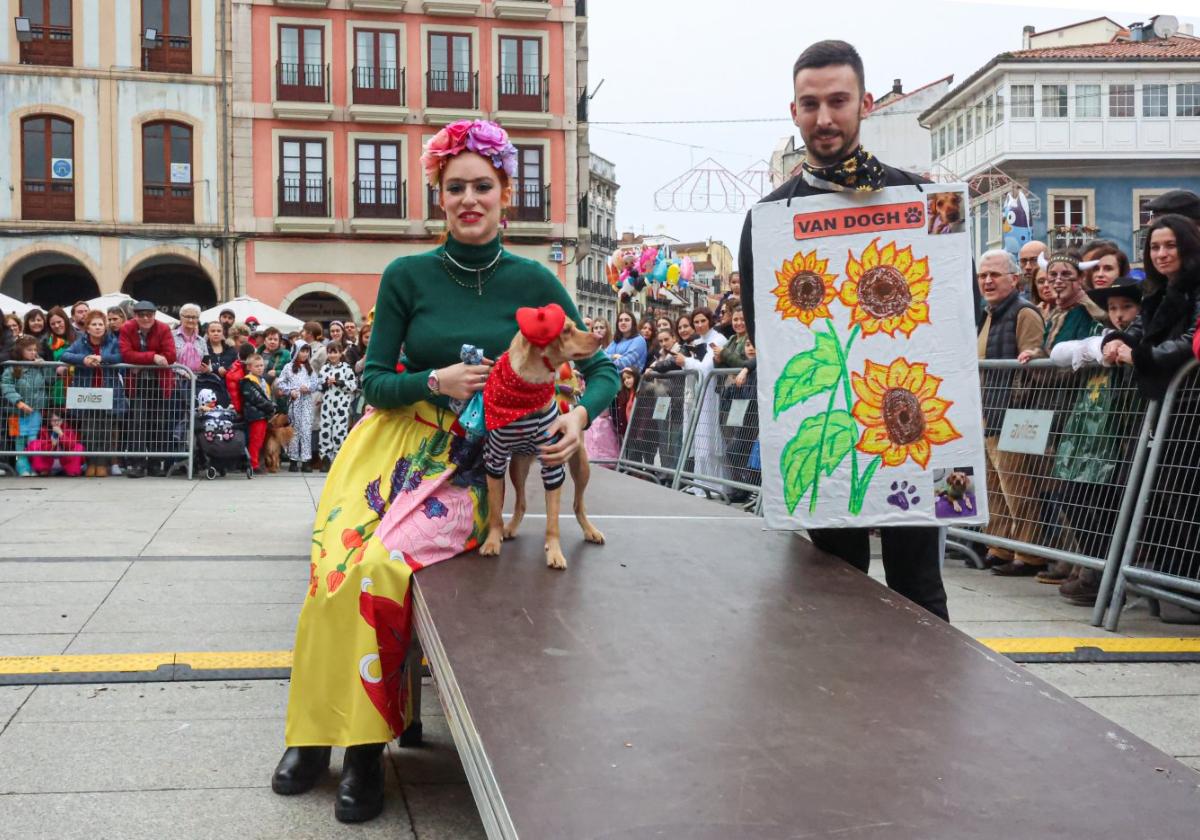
{"x": 884, "y": 217}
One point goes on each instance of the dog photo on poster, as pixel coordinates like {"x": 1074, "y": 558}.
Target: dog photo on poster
{"x": 865, "y": 335}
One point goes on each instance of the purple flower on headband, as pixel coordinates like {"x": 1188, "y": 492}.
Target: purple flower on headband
{"x": 482, "y": 137}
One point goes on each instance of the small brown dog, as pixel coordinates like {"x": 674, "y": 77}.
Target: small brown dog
{"x": 958, "y": 485}
{"x": 523, "y": 381}
{"x": 946, "y": 213}
{"x": 279, "y": 435}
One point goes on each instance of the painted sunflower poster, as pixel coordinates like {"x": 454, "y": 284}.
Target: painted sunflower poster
{"x": 865, "y": 328}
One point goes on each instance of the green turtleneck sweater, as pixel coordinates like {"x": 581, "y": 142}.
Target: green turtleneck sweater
{"x": 423, "y": 310}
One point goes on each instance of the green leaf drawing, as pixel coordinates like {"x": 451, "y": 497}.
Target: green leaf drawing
{"x": 821, "y": 444}
{"x": 841, "y": 432}
{"x": 808, "y": 374}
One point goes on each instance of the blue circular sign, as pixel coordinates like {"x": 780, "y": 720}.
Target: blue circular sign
{"x": 61, "y": 168}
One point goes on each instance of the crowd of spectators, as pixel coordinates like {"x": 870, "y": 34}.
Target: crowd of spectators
{"x": 309, "y": 376}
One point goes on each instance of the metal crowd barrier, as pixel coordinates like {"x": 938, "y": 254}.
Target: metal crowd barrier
{"x": 720, "y": 446}
{"x": 655, "y": 439}
{"x": 1065, "y": 453}
{"x": 1161, "y": 558}
{"x": 127, "y": 412}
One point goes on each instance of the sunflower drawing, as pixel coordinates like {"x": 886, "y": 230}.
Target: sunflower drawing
{"x": 805, "y": 290}
{"x": 887, "y": 290}
{"x": 902, "y": 414}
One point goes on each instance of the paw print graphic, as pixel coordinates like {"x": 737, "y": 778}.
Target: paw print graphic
{"x": 913, "y": 215}
{"x": 904, "y": 495}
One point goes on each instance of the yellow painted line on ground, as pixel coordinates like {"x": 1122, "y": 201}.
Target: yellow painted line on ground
{"x": 215, "y": 661}
{"x": 84, "y": 663}
{"x": 1068, "y": 644}
{"x": 263, "y": 659}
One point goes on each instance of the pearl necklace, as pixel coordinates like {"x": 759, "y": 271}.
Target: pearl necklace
{"x": 490, "y": 268}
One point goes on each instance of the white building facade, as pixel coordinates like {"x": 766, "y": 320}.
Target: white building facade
{"x": 115, "y": 177}
{"x": 1088, "y": 133}
{"x": 594, "y": 296}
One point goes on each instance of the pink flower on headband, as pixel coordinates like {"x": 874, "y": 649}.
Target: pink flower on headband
{"x": 482, "y": 137}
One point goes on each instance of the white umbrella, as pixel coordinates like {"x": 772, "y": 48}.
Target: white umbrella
{"x": 11, "y": 304}
{"x": 105, "y": 302}
{"x": 244, "y": 307}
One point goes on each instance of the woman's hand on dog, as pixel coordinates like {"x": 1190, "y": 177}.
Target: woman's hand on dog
{"x": 568, "y": 428}
{"x": 461, "y": 381}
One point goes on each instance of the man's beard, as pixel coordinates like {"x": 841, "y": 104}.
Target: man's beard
{"x": 838, "y": 156}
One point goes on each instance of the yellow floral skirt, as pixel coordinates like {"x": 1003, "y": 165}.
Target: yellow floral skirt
{"x": 406, "y": 490}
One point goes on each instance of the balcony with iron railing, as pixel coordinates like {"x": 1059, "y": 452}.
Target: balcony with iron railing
{"x": 523, "y": 92}
{"x": 451, "y": 95}
{"x": 302, "y": 91}
{"x": 530, "y": 203}
{"x": 48, "y": 45}
{"x": 380, "y": 199}
{"x": 380, "y": 86}
{"x": 433, "y": 210}
{"x": 1139, "y": 244}
{"x": 304, "y": 197}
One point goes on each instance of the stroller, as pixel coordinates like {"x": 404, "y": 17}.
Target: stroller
{"x": 220, "y": 432}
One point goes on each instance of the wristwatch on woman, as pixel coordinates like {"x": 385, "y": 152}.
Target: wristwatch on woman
{"x": 433, "y": 383}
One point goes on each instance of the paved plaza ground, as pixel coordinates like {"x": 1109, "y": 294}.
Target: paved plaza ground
{"x": 113, "y": 566}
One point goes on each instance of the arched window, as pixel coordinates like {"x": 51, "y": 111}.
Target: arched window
{"x": 167, "y": 173}
{"x": 171, "y": 51}
{"x": 47, "y": 168}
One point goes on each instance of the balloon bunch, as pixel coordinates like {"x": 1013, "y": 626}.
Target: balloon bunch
{"x": 630, "y": 271}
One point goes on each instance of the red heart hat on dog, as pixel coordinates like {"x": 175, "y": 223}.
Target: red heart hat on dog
{"x": 542, "y": 325}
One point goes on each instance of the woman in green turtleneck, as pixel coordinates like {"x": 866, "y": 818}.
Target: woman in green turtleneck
{"x": 408, "y": 488}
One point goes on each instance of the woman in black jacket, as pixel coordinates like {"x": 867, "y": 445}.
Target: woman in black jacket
{"x": 1158, "y": 344}
{"x": 1159, "y": 341}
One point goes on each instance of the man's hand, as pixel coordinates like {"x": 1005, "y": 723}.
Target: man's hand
{"x": 570, "y": 426}
{"x": 1027, "y": 355}
{"x": 1124, "y": 354}
{"x": 160, "y": 360}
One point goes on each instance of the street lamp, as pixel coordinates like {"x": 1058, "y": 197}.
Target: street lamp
{"x": 24, "y": 30}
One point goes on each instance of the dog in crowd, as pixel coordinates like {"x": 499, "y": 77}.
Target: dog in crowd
{"x": 958, "y": 485}
{"x": 946, "y": 213}
{"x": 279, "y": 435}
{"x": 520, "y": 403}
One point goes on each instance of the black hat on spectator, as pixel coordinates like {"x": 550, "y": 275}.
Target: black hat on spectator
{"x": 1183, "y": 202}
{"x": 1126, "y": 287}
{"x": 144, "y": 306}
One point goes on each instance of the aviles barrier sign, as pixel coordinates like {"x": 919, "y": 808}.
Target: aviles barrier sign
{"x": 1025, "y": 431}
{"x": 95, "y": 399}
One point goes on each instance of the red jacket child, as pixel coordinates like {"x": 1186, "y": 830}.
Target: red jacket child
{"x": 233, "y": 384}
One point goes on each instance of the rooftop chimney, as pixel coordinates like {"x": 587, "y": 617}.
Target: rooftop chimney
{"x": 1027, "y": 33}
{"x": 897, "y": 88}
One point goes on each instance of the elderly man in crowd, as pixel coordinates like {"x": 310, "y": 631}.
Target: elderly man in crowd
{"x": 146, "y": 341}
{"x": 1013, "y": 328}
{"x": 1028, "y": 258}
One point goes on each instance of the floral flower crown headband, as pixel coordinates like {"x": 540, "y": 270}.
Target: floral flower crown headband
{"x": 480, "y": 136}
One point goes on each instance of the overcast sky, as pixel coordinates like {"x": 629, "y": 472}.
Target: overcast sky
{"x": 665, "y": 60}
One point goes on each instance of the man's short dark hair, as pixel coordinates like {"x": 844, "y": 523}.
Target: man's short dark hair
{"x": 828, "y": 54}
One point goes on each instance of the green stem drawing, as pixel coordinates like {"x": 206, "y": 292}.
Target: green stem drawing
{"x": 859, "y": 496}
{"x": 849, "y": 394}
{"x": 812, "y": 504}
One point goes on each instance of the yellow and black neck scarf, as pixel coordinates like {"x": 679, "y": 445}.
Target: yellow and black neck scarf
{"x": 859, "y": 172}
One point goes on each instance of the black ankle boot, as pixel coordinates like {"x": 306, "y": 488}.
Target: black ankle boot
{"x": 360, "y": 794}
{"x": 299, "y": 769}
